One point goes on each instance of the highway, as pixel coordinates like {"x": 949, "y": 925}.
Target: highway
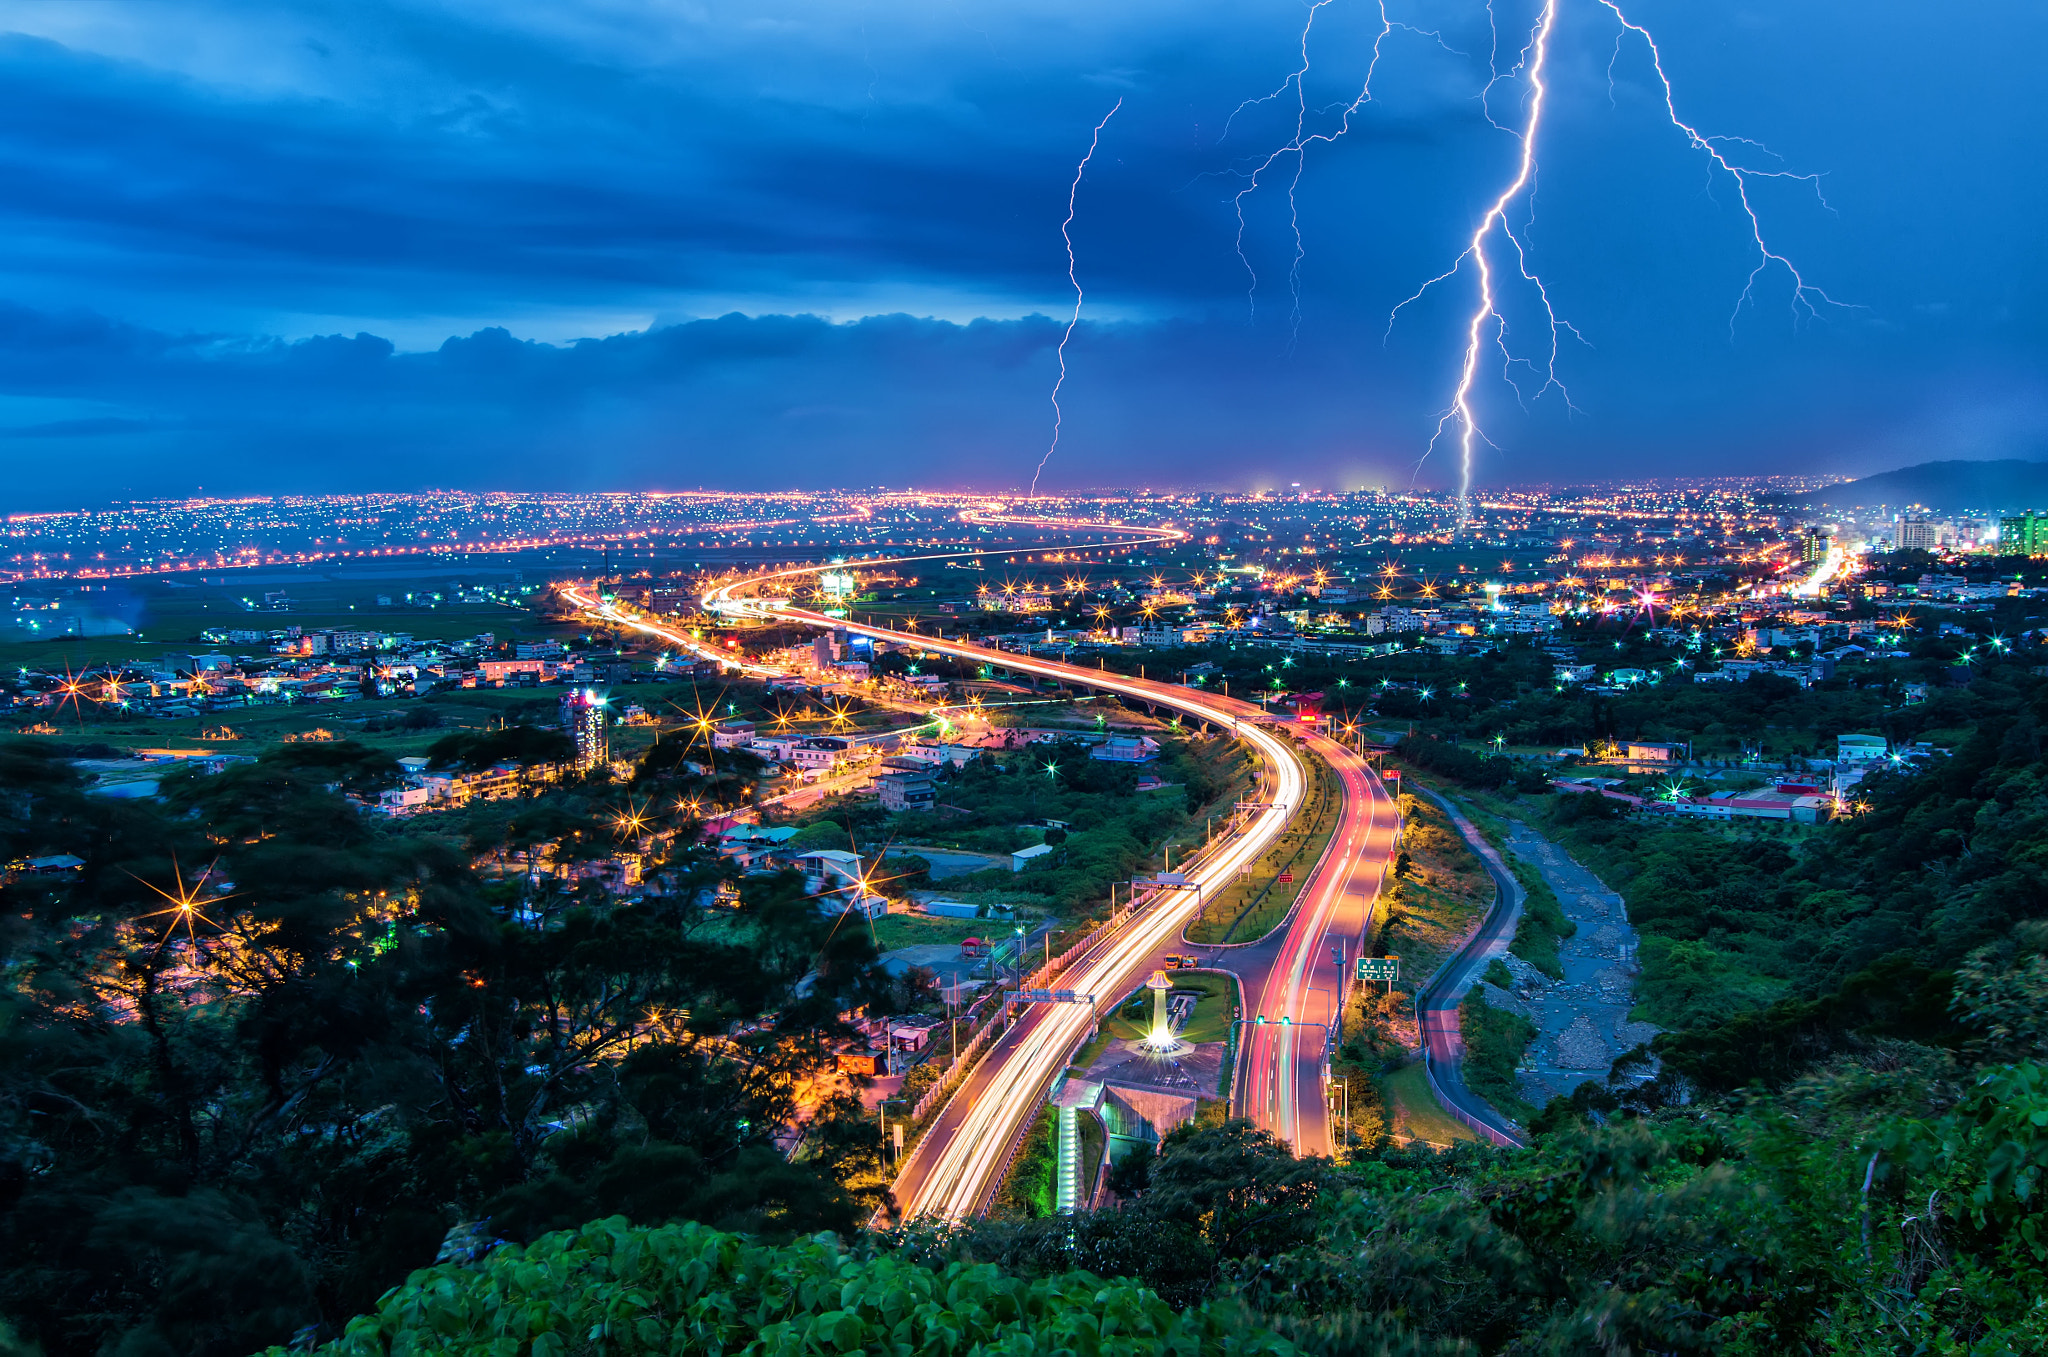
{"x": 1281, "y": 1081}
{"x": 957, "y": 1166}
{"x": 960, "y": 1161}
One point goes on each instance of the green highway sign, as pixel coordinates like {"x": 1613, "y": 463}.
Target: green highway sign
{"x": 1386, "y": 968}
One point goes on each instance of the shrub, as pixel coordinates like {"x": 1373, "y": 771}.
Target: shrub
{"x": 613, "y": 1288}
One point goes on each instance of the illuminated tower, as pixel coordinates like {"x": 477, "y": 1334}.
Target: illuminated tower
{"x": 583, "y": 719}
{"x": 1161, "y": 1037}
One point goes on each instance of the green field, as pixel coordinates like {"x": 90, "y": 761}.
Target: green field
{"x": 1427, "y": 914}
{"x": 916, "y": 930}
{"x": 1215, "y": 1008}
{"x": 172, "y": 614}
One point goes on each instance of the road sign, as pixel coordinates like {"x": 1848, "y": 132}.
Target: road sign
{"x": 1171, "y": 879}
{"x": 1053, "y": 996}
{"x": 1286, "y": 877}
{"x": 1387, "y": 968}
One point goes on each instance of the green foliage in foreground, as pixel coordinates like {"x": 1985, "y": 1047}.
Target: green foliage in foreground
{"x": 616, "y": 1289}
{"x": 1887, "y": 1205}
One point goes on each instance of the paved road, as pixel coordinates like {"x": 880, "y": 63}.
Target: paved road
{"x": 1436, "y": 1007}
{"x": 1300, "y": 973}
{"x": 959, "y": 1163}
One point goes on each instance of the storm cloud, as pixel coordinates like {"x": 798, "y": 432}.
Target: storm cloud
{"x": 609, "y": 245}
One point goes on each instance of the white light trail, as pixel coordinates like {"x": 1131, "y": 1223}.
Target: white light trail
{"x": 1073, "y": 192}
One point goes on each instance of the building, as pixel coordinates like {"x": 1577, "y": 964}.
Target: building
{"x": 1915, "y": 533}
{"x": 583, "y": 719}
{"x": 733, "y": 735}
{"x": 1126, "y": 749}
{"x": 1024, "y": 857}
{"x": 1860, "y": 748}
{"x": 904, "y": 789}
{"x": 1815, "y": 545}
{"x": 2026, "y": 535}
{"x": 818, "y": 752}
{"x": 932, "y": 753}
{"x": 606, "y": 669}
{"x": 1801, "y": 808}
{"x": 498, "y": 671}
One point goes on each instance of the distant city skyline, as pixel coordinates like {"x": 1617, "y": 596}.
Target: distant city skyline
{"x": 588, "y": 247}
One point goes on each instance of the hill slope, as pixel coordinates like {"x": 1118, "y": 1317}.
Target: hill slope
{"x": 1946, "y": 487}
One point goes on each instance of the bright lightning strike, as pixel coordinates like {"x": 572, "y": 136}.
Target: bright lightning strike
{"x": 1073, "y": 192}
{"x": 1486, "y": 324}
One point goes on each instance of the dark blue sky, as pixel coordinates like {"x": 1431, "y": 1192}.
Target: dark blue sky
{"x": 613, "y": 244}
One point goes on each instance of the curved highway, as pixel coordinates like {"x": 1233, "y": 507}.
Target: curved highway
{"x": 961, "y": 1160}
{"x": 959, "y": 1163}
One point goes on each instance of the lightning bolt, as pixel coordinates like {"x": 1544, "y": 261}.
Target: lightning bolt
{"x": 1297, "y": 149}
{"x": 1486, "y": 324}
{"x": 1803, "y": 292}
{"x": 1073, "y": 191}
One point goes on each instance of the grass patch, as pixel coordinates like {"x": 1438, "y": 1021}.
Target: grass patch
{"x": 1094, "y": 1145}
{"x": 912, "y": 930}
{"x": 1428, "y": 910}
{"x": 1255, "y": 904}
{"x": 1091, "y": 1051}
{"x": 1495, "y": 1041}
{"x": 1543, "y": 923}
{"x": 1216, "y": 1005}
{"x": 1414, "y": 1111}
{"x": 1027, "y": 1190}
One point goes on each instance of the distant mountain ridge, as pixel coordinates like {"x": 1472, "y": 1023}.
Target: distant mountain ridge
{"x": 1945, "y": 487}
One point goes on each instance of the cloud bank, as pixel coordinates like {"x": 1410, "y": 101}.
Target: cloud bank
{"x": 816, "y": 243}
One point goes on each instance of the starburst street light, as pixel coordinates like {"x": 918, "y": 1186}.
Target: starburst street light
{"x": 184, "y": 906}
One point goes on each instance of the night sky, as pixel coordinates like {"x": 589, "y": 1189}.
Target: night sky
{"x": 596, "y": 244}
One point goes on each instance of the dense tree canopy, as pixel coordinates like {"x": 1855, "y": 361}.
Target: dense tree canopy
{"x": 266, "y": 1050}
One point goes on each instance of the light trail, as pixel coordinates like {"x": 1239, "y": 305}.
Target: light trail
{"x": 964, "y": 1168}
{"x": 1073, "y": 192}
{"x": 1825, "y": 572}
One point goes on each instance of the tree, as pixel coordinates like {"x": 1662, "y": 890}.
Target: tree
{"x": 221, "y": 1123}
{"x": 688, "y": 1288}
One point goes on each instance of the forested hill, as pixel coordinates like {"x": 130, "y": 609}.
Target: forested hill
{"x": 1836, "y": 1146}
